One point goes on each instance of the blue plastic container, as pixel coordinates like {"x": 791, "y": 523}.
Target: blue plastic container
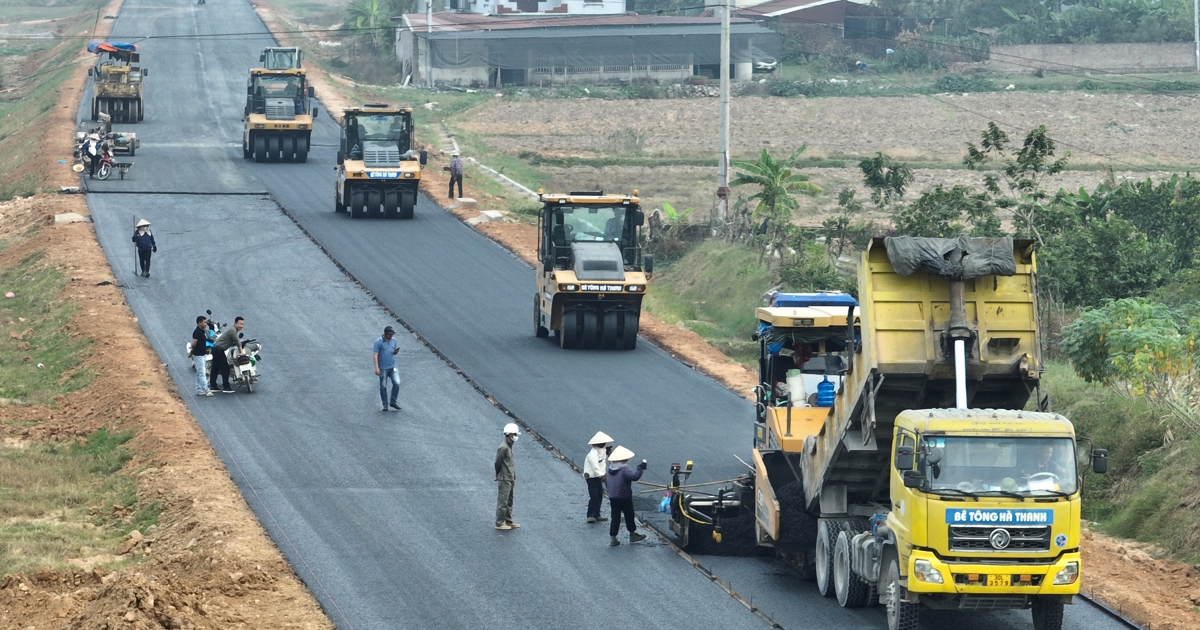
{"x": 825, "y": 392}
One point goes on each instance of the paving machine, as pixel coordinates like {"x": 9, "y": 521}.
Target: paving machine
{"x": 593, "y": 275}
{"x": 280, "y": 108}
{"x": 117, "y": 81}
{"x": 378, "y": 172}
{"x": 913, "y": 476}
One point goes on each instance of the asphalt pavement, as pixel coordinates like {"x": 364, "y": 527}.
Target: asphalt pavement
{"x": 387, "y": 517}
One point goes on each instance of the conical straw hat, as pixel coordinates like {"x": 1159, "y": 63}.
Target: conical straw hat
{"x": 600, "y": 438}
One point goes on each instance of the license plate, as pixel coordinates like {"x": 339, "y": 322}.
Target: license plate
{"x": 999, "y": 580}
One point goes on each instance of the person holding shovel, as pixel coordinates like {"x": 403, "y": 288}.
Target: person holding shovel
{"x": 144, "y": 240}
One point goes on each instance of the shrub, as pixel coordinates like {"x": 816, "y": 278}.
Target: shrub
{"x": 960, "y": 83}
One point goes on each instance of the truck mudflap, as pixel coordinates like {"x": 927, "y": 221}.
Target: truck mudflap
{"x": 993, "y": 580}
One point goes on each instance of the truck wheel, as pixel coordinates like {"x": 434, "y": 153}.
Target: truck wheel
{"x": 408, "y": 203}
{"x": 358, "y": 205}
{"x": 260, "y": 148}
{"x": 629, "y": 330}
{"x": 141, "y": 110}
{"x": 827, "y": 531}
{"x": 391, "y": 204}
{"x": 302, "y": 149}
{"x": 610, "y": 330}
{"x": 273, "y": 149}
{"x": 901, "y": 615}
{"x": 132, "y": 150}
{"x": 374, "y": 203}
{"x": 851, "y": 590}
{"x": 539, "y": 330}
{"x": 568, "y": 334}
{"x": 287, "y": 144}
{"x": 337, "y": 203}
{"x": 1047, "y": 613}
{"x": 590, "y": 339}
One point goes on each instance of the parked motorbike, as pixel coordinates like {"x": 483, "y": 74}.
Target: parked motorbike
{"x": 103, "y": 169}
{"x": 243, "y": 368}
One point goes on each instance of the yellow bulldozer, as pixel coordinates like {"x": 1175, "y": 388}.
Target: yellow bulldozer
{"x": 280, "y": 108}
{"x": 593, "y": 275}
{"x": 117, "y": 82}
{"x": 378, "y": 172}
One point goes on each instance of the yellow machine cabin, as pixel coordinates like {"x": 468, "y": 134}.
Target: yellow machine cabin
{"x": 378, "y": 173}
{"x": 894, "y": 460}
{"x": 593, "y": 274}
{"x": 117, "y": 82}
{"x": 280, "y": 107}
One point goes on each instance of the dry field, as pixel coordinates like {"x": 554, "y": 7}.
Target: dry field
{"x": 1139, "y": 136}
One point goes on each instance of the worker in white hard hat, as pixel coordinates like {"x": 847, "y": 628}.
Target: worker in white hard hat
{"x": 593, "y": 472}
{"x": 620, "y": 493}
{"x": 506, "y": 477}
{"x": 144, "y": 240}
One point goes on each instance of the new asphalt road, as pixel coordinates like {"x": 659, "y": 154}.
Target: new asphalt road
{"x": 387, "y": 516}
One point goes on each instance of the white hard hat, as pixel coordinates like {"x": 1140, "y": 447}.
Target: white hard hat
{"x": 511, "y": 429}
{"x": 620, "y": 454}
{"x": 143, "y": 223}
{"x": 600, "y": 438}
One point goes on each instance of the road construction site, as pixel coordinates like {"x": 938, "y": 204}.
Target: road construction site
{"x": 386, "y": 517}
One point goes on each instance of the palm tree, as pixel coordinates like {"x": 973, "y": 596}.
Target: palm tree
{"x": 371, "y": 16}
{"x": 774, "y": 201}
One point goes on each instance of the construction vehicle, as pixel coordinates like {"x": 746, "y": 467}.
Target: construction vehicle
{"x": 117, "y": 82}
{"x": 280, "y": 108}
{"x": 378, "y": 172}
{"x": 593, "y": 275}
{"x": 915, "y": 477}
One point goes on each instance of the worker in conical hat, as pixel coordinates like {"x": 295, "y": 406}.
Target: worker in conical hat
{"x": 144, "y": 240}
{"x": 620, "y": 493}
{"x": 593, "y": 472}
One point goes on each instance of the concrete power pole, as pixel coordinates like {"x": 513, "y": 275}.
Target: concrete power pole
{"x": 429, "y": 43}
{"x": 1196, "y": 27}
{"x": 723, "y": 164}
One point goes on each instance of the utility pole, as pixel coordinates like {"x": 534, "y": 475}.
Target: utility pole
{"x": 429, "y": 43}
{"x": 1196, "y": 31}
{"x": 723, "y": 160}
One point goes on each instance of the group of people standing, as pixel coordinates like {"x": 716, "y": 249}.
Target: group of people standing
{"x": 205, "y": 342}
{"x": 605, "y": 470}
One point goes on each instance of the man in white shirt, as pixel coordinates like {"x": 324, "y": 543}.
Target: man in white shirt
{"x": 594, "y": 466}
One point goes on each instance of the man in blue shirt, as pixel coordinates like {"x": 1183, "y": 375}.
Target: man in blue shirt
{"x": 386, "y": 350}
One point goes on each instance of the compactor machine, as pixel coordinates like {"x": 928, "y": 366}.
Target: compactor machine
{"x": 593, "y": 275}
{"x": 280, "y": 108}
{"x": 378, "y": 172}
{"x": 894, "y": 459}
{"x": 117, "y": 82}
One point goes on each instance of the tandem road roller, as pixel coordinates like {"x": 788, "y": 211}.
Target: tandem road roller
{"x": 378, "y": 172}
{"x": 280, "y": 107}
{"x": 593, "y": 274}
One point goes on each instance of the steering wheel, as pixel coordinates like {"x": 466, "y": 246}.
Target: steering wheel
{"x": 965, "y": 486}
{"x": 1042, "y": 476}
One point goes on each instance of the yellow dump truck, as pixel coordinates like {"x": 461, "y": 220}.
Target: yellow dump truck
{"x": 277, "y": 121}
{"x": 117, "y": 82}
{"x": 378, "y": 173}
{"x": 894, "y": 461}
{"x": 593, "y": 275}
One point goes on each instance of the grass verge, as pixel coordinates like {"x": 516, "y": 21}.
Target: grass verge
{"x": 60, "y": 501}
{"x": 39, "y": 359}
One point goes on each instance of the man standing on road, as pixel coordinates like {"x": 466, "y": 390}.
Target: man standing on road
{"x": 144, "y": 239}
{"x": 506, "y": 478}
{"x": 620, "y": 493}
{"x": 593, "y": 472}
{"x": 456, "y": 173}
{"x": 386, "y": 350}
{"x": 220, "y": 360}
{"x": 199, "y": 351}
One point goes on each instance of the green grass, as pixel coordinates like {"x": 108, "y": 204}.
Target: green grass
{"x": 37, "y": 302}
{"x": 56, "y": 501}
{"x": 713, "y": 290}
{"x": 22, "y": 10}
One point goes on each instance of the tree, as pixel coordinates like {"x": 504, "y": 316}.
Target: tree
{"x": 372, "y": 22}
{"x": 1021, "y": 174}
{"x": 774, "y": 202}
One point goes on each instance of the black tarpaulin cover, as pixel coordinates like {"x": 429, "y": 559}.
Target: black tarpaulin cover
{"x": 981, "y": 256}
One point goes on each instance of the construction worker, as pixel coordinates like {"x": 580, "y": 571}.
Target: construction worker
{"x": 593, "y": 472}
{"x": 456, "y": 173}
{"x": 384, "y": 352}
{"x": 620, "y": 493}
{"x": 220, "y": 360}
{"x": 506, "y": 477}
{"x": 144, "y": 239}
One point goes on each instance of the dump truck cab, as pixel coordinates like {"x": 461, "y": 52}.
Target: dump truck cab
{"x": 378, "y": 172}
{"x": 592, "y": 275}
{"x": 117, "y": 82}
{"x": 278, "y": 118}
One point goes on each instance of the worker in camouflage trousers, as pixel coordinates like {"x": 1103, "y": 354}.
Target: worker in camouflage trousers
{"x": 506, "y": 478}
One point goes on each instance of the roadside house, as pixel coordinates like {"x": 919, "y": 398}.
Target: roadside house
{"x": 470, "y": 49}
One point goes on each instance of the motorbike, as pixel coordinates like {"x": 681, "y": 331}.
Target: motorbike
{"x": 103, "y": 169}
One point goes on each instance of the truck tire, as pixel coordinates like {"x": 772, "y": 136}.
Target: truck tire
{"x": 568, "y": 333}
{"x": 901, "y": 615}
{"x": 408, "y": 203}
{"x": 629, "y": 330}
{"x": 1047, "y": 613}
{"x": 391, "y": 204}
{"x": 260, "y": 147}
{"x": 302, "y": 149}
{"x": 827, "y": 532}
{"x": 539, "y": 330}
{"x": 851, "y": 590}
